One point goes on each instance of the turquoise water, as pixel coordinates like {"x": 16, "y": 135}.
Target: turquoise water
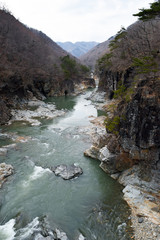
{"x": 91, "y": 204}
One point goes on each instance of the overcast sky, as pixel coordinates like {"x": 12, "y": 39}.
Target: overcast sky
{"x": 76, "y": 20}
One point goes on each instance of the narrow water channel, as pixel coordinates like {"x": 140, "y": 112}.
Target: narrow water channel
{"x": 91, "y": 204}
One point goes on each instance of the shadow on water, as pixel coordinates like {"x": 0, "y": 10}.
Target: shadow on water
{"x": 63, "y": 102}
{"x": 109, "y": 212}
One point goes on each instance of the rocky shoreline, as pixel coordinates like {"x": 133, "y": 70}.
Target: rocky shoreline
{"x": 142, "y": 195}
{"x": 35, "y": 109}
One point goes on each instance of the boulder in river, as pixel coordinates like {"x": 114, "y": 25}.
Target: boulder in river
{"x": 5, "y": 171}
{"x": 67, "y": 172}
{"x": 81, "y": 237}
{"x": 38, "y": 229}
{"x": 57, "y": 235}
{"x": 60, "y": 235}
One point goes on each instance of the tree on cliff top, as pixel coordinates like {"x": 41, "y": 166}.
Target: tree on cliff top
{"x": 152, "y": 12}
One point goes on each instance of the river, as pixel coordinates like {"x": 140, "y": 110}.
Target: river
{"x": 91, "y": 204}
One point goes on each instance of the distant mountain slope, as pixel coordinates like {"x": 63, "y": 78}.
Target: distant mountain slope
{"x": 92, "y": 56}
{"x": 31, "y": 65}
{"x": 77, "y": 49}
{"x": 28, "y": 57}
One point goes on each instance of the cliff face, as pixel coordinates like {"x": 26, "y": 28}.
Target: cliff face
{"x": 136, "y": 134}
{"x": 130, "y": 72}
{"x": 129, "y": 150}
{"x": 140, "y": 130}
{"x": 30, "y": 65}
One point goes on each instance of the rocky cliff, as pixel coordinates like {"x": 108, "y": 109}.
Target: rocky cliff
{"x": 129, "y": 73}
{"x": 31, "y": 64}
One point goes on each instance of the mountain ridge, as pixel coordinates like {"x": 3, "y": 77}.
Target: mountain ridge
{"x": 78, "y": 48}
{"x": 90, "y": 58}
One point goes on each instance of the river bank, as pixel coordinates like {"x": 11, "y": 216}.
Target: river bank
{"x": 140, "y": 194}
{"x": 89, "y": 206}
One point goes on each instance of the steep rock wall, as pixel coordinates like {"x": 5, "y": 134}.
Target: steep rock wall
{"x": 131, "y": 70}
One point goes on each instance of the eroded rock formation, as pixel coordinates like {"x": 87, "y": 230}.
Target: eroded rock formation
{"x": 130, "y": 72}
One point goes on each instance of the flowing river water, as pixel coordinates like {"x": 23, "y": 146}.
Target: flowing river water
{"x": 91, "y": 204}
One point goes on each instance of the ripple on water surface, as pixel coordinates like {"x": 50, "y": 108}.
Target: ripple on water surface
{"x": 91, "y": 204}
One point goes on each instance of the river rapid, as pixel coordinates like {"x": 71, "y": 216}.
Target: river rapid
{"x": 91, "y": 205}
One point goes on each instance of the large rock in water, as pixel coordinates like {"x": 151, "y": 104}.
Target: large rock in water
{"x": 5, "y": 171}
{"x": 57, "y": 235}
{"x": 39, "y": 229}
{"x": 67, "y": 172}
